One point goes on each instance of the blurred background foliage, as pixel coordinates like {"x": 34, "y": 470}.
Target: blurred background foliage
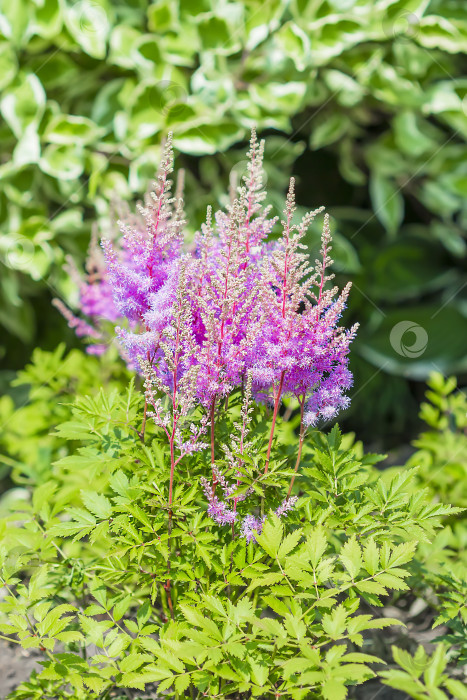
{"x": 364, "y": 100}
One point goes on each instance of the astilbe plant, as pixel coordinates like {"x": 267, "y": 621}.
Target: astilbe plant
{"x": 158, "y": 551}
{"x": 239, "y": 305}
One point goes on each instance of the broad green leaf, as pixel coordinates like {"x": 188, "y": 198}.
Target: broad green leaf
{"x": 8, "y": 64}
{"x": 63, "y": 162}
{"x": 329, "y": 131}
{"x": 23, "y": 104}
{"x": 88, "y": 24}
{"x": 295, "y": 43}
{"x": 334, "y": 623}
{"x": 387, "y": 201}
{"x": 333, "y": 690}
{"x": 133, "y": 661}
{"x": 65, "y": 129}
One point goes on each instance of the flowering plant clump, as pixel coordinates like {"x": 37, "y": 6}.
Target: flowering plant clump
{"x": 237, "y": 311}
{"x": 187, "y": 540}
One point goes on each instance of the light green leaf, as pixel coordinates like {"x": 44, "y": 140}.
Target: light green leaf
{"x": 333, "y": 690}
{"x": 271, "y": 535}
{"x": 294, "y": 43}
{"x": 23, "y": 103}
{"x": 182, "y": 682}
{"x": 351, "y": 556}
{"x": 66, "y": 129}
{"x": 8, "y": 64}
{"x": 289, "y": 543}
{"x": 89, "y": 25}
{"x": 63, "y": 162}
{"x": 98, "y": 504}
{"x": 316, "y": 544}
{"x": 133, "y": 661}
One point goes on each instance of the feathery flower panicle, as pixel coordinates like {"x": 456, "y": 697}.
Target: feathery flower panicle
{"x": 301, "y": 351}
{"x": 225, "y": 290}
{"x": 224, "y": 295}
{"x": 150, "y": 247}
{"x": 95, "y": 300}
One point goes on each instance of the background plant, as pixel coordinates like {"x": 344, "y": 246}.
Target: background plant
{"x": 89, "y": 90}
{"x": 441, "y": 469}
{"x": 43, "y": 394}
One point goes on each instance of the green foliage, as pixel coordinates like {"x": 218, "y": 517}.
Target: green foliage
{"x": 89, "y": 89}
{"x": 42, "y": 397}
{"x": 119, "y": 590}
{"x": 441, "y": 460}
{"x": 423, "y": 677}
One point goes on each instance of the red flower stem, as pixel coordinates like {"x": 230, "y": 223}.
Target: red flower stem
{"x": 281, "y": 383}
{"x": 212, "y": 412}
{"x": 172, "y": 463}
{"x": 172, "y": 470}
{"x": 274, "y": 417}
{"x": 300, "y": 445}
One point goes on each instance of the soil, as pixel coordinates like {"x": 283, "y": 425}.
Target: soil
{"x": 16, "y": 665}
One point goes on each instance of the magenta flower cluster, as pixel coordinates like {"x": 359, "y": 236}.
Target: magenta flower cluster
{"x": 196, "y": 320}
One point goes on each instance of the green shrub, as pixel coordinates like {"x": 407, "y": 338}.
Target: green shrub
{"x": 43, "y": 394}
{"x": 441, "y": 463}
{"x": 113, "y": 599}
{"x": 423, "y": 676}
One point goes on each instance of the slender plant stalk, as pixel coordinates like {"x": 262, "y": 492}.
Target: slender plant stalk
{"x": 143, "y": 424}
{"x": 300, "y": 446}
{"x": 172, "y": 470}
{"x": 212, "y": 414}
{"x": 274, "y": 418}
{"x": 172, "y": 464}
